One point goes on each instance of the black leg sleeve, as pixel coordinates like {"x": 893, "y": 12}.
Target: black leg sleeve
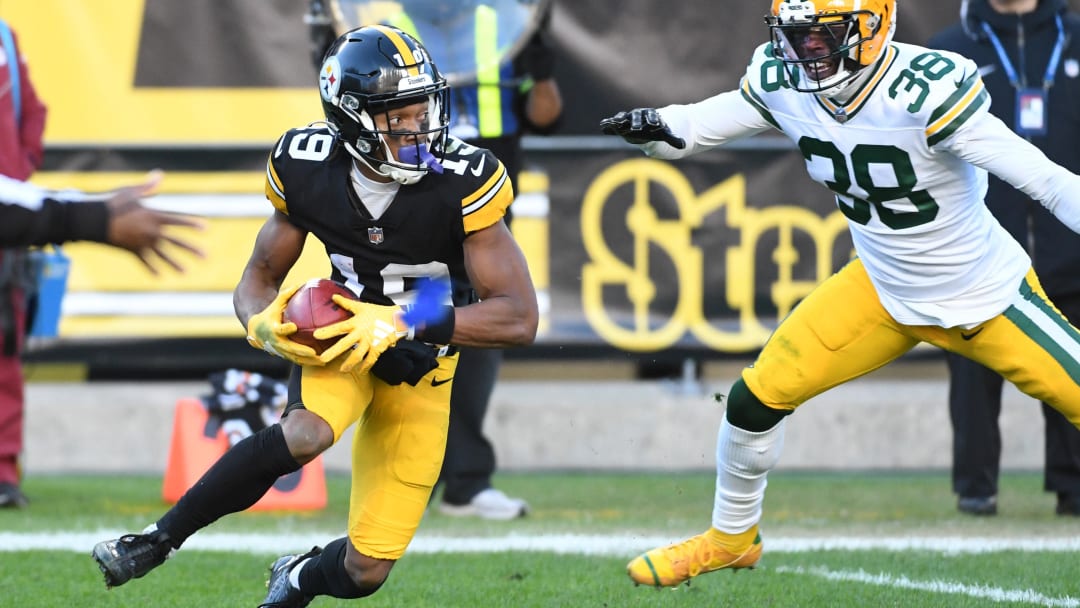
{"x": 325, "y": 574}
{"x": 236, "y": 481}
{"x": 747, "y": 412}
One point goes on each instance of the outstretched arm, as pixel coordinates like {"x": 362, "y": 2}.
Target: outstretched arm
{"x": 699, "y": 126}
{"x": 988, "y": 143}
{"x": 30, "y": 215}
{"x": 543, "y": 102}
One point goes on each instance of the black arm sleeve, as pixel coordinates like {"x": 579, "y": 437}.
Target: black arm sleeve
{"x": 54, "y": 222}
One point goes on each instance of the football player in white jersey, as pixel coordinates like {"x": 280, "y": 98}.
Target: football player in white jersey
{"x": 902, "y": 136}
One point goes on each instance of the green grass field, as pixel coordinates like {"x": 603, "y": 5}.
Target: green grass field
{"x": 869, "y": 539}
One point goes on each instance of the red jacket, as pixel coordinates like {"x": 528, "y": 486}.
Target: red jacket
{"x": 21, "y": 146}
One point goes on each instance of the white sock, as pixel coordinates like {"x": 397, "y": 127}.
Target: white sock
{"x": 743, "y": 459}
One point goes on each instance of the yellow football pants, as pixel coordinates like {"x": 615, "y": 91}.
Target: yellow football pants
{"x": 397, "y": 451}
{"x": 841, "y": 331}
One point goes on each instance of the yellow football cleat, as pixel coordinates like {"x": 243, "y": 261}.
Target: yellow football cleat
{"x": 712, "y": 550}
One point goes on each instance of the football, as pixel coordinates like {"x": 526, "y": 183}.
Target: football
{"x": 312, "y": 307}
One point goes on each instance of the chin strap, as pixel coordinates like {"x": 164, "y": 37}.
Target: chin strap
{"x": 398, "y": 174}
{"x": 404, "y": 177}
{"x": 845, "y": 91}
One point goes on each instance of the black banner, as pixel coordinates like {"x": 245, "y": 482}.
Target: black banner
{"x": 633, "y": 254}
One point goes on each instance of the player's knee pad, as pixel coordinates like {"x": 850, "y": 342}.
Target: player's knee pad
{"x": 747, "y": 412}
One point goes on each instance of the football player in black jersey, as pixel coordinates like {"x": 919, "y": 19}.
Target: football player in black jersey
{"x": 395, "y": 202}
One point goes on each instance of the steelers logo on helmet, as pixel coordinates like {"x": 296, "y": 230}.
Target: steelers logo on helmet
{"x": 825, "y": 45}
{"x": 371, "y": 74}
{"x": 330, "y": 79}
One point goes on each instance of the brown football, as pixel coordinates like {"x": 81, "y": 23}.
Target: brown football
{"x": 312, "y": 307}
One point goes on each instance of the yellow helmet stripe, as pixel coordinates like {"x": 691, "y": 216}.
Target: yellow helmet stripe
{"x": 402, "y": 47}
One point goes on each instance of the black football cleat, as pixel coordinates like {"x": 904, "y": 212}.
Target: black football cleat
{"x": 281, "y": 594}
{"x": 1068, "y": 504}
{"x": 11, "y": 497}
{"x": 131, "y": 556}
{"x": 983, "y": 506}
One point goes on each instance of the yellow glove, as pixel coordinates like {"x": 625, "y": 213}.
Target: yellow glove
{"x": 267, "y": 332}
{"x": 368, "y": 333}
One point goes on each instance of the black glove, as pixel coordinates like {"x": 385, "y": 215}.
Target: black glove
{"x": 321, "y": 32}
{"x": 537, "y": 58}
{"x": 639, "y": 126}
{"x": 407, "y": 361}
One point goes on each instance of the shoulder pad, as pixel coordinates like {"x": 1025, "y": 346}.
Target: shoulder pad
{"x": 292, "y": 154}
{"x": 765, "y": 74}
{"x": 486, "y": 191}
{"x": 954, "y": 97}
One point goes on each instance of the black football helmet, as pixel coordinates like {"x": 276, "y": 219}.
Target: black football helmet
{"x": 375, "y": 69}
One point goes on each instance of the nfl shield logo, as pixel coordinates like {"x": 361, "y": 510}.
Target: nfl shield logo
{"x": 375, "y": 235}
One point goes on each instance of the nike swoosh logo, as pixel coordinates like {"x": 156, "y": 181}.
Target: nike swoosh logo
{"x": 479, "y": 167}
{"x": 959, "y": 82}
{"x": 437, "y": 382}
{"x": 972, "y": 334}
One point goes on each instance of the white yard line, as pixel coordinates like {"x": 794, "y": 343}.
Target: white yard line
{"x": 994, "y": 594}
{"x": 579, "y": 544}
{"x": 622, "y": 546}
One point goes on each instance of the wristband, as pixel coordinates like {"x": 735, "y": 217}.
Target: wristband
{"x": 440, "y": 330}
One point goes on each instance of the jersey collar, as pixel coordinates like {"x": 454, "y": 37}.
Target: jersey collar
{"x": 844, "y": 112}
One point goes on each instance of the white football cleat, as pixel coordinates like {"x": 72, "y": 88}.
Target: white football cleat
{"x": 488, "y": 504}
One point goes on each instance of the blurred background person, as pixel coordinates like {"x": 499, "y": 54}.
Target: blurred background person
{"x": 1030, "y": 64}
{"x": 494, "y": 102}
{"x": 22, "y": 124}
{"x": 30, "y": 215}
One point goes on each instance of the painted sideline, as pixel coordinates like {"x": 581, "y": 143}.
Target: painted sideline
{"x": 577, "y": 544}
{"x": 994, "y": 594}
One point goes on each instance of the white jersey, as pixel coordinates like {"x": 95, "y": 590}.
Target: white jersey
{"x": 907, "y": 157}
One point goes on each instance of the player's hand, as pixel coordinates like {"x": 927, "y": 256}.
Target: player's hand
{"x": 268, "y": 332}
{"x": 368, "y": 333}
{"x": 321, "y": 33}
{"x": 640, "y": 126}
{"x": 144, "y": 231}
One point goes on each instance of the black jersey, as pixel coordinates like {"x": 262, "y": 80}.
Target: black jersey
{"x": 420, "y": 234}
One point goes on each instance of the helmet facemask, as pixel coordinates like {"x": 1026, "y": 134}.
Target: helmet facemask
{"x": 823, "y": 50}
{"x": 421, "y": 150}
